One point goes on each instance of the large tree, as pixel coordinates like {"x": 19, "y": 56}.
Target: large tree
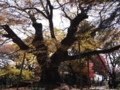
{"x": 27, "y": 15}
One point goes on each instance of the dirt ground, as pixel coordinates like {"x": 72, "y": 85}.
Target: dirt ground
{"x": 21, "y": 88}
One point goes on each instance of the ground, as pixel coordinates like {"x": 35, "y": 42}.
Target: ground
{"x": 26, "y": 88}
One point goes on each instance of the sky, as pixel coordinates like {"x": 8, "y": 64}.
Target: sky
{"x": 6, "y": 61}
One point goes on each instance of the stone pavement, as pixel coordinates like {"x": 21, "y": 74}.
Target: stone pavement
{"x": 98, "y": 88}
{"x": 101, "y": 88}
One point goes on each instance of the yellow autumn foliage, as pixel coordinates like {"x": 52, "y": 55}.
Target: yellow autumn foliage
{"x": 11, "y": 73}
{"x": 76, "y": 66}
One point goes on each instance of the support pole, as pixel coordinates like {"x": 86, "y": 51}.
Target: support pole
{"x": 80, "y": 66}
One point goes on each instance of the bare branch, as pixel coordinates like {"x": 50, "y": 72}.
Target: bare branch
{"x": 4, "y": 42}
{"x": 64, "y": 11}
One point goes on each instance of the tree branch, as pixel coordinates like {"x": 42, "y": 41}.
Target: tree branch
{"x": 61, "y": 52}
{"x": 50, "y": 17}
{"x": 93, "y": 53}
{"x": 15, "y": 38}
{"x": 40, "y": 47}
{"x": 38, "y": 33}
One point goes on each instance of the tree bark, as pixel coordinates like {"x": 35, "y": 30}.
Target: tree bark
{"x": 15, "y": 38}
{"x": 93, "y": 53}
{"x": 50, "y": 75}
{"x": 61, "y": 53}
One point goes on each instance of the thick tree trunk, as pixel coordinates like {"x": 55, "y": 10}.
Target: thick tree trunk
{"x": 50, "y": 74}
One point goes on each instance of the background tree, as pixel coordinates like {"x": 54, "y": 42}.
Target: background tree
{"x": 113, "y": 67}
{"x": 99, "y": 66}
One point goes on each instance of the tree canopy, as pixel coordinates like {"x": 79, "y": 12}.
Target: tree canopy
{"x": 93, "y": 23}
